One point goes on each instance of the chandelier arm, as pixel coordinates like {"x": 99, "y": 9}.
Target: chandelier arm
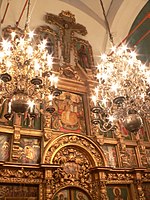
{"x": 33, "y": 92}
{"x": 6, "y": 89}
{"x": 105, "y": 130}
{"x": 105, "y": 124}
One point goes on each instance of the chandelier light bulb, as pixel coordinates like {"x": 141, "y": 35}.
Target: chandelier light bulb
{"x": 29, "y": 51}
{"x": 31, "y": 34}
{"x": 13, "y": 34}
{"x": 31, "y": 105}
{"x": 50, "y": 61}
{"x": 9, "y": 107}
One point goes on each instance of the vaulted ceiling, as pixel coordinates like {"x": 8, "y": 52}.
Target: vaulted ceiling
{"x": 120, "y": 14}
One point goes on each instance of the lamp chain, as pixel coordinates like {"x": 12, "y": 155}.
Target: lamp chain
{"x": 27, "y": 17}
{"x": 107, "y": 24}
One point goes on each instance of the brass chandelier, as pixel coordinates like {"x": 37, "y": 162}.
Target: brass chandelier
{"x": 123, "y": 90}
{"x": 26, "y": 73}
{"x": 27, "y": 78}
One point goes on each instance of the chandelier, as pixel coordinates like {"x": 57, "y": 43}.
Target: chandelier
{"x": 122, "y": 94}
{"x": 26, "y": 73}
{"x": 123, "y": 90}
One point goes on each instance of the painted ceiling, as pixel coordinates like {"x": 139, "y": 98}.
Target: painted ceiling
{"x": 140, "y": 38}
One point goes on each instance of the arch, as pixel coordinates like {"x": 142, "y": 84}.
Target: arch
{"x": 85, "y": 9}
{"x": 81, "y": 142}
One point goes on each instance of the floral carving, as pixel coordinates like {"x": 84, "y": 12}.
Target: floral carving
{"x": 21, "y": 173}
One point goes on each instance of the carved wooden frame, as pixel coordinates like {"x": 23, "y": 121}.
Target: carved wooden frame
{"x": 41, "y": 30}
{"x": 17, "y": 174}
{"x": 85, "y": 43}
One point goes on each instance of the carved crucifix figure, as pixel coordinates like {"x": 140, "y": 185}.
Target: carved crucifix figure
{"x": 67, "y": 25}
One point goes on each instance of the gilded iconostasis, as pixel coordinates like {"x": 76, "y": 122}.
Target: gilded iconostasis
{"x": 62, "y": 155}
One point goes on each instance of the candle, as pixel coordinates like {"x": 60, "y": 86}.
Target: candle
{"x": 9, "y": 107}
{"x": 31, "y": 106}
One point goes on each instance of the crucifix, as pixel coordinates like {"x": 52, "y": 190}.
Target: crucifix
{"x": 68, "y": 26}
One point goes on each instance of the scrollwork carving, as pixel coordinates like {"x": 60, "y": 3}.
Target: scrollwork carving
{"x": 74, "y": 169}
{"x": 47, "y": 134}
{"x": 116, "y": 176}
{"x": 146, "y": 177}
{"x": 20, "y": 173}
{"x": 73, "y": 139}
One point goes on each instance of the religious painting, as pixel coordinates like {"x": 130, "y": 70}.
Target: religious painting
{"x": 5, "y": 140}
{"x": 110, "y": 155}
{"x": 48, "y": 34}
{"x": 69, "y": 113}
{"x": 18, "y": 192}
{"x": 108, "y": 134}
{"x": 25, "y": 120}
{"x": 84, "y": 54}
{"x": 146, "y": 190}
{"x": 118, "y": 193}
{"x": 80, "y": 195}
{"x": 62, "y": 195}
{"x": 128, "y": 158}
{"x": 29, "y": 121}
{"x": 71, "y": 194}
{"x": 29, "y": 150}
{"x": 3, "y": 111}
{"x": 143, "y": 133}
{"x": 126, "y": 134}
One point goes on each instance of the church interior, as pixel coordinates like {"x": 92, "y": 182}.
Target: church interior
{"x": 75, "y": 100}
